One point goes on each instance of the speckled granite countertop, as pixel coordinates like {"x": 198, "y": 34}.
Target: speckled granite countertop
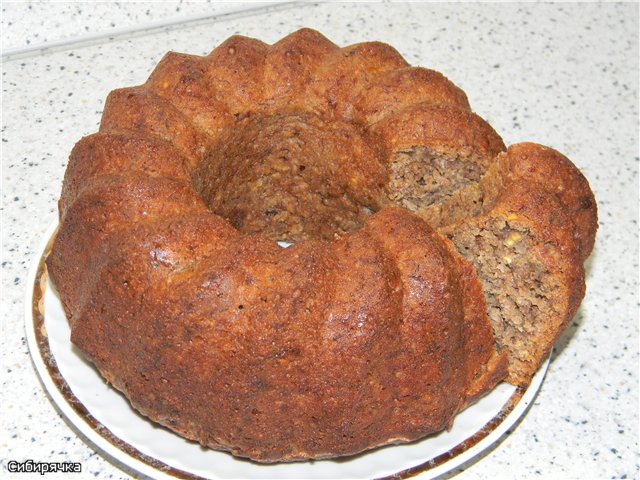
{"x": 29, "y": 24}
{"x": 562, "y": 75}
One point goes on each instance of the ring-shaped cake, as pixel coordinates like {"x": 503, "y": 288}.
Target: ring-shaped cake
{"x": 428, "y": 262}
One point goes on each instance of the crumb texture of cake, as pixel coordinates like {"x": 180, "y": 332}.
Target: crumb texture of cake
{"x": 428, "y": 261}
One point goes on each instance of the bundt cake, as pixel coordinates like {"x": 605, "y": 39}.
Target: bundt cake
{"x": 427, "y": 261}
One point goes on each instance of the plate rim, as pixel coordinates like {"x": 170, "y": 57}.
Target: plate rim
{"x": 98, "y": 435}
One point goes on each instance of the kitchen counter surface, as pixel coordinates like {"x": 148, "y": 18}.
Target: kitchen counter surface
{"x": 565, "y": 75}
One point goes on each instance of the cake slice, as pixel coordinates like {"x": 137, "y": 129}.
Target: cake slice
{"x": 525, "y": 254}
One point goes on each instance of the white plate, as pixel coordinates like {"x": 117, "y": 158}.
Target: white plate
{"x": 105, "y": 417}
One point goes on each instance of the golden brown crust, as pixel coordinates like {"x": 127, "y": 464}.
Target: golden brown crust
{"x": 236, "y": 68}
{"x": 139, "y": 110}
{"x": 345, "y": 72}
{"x": 289, "y": 68}
{"x": 109, "y": 203}
{"x": 540, "y": 207}
{"x": 118, "y": 153}
{"x": 537, "y": 163}
{"x": 183, "y": 81}
{"x": 397, "y": 89}
{"x": 440, "y": 128}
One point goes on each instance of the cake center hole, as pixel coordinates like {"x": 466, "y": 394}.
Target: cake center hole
{"x": 290, "y": 177}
